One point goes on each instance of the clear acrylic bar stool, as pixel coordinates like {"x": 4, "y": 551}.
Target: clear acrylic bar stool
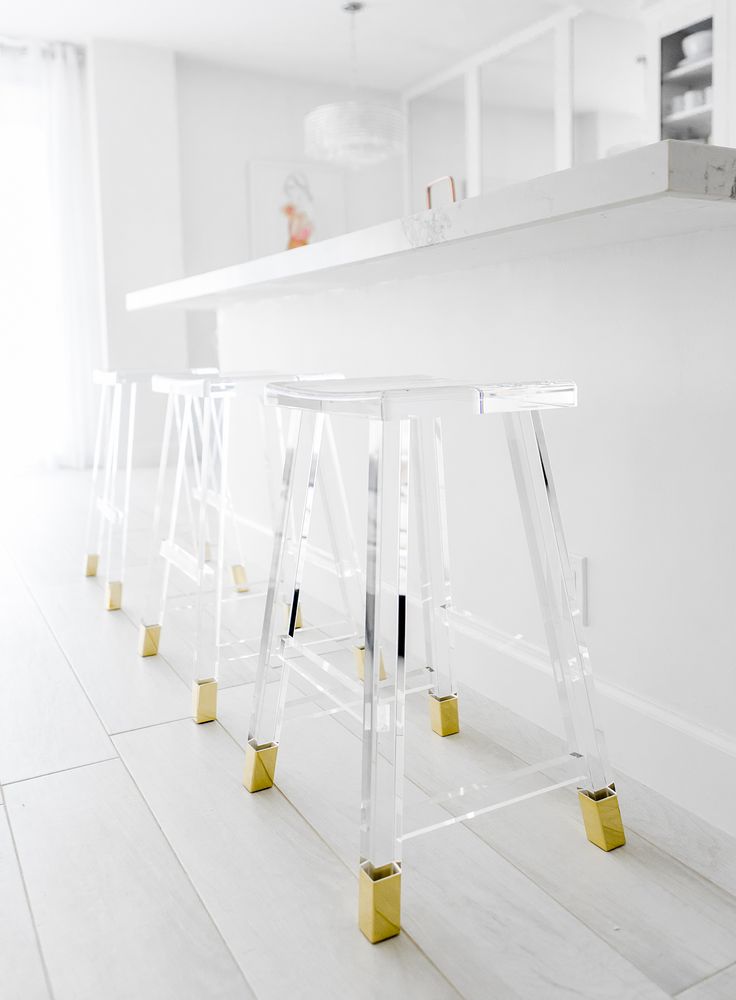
{"x": 405, "y": 454}
{"x": 109, "y": 506}
{"x": 199, "y": 412}
{"x": 198, "y": 416}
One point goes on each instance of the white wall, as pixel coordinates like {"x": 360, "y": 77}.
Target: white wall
{"x": 228, "y": 117}
{"x": 643, "y": 473}
{"x": 172, "y": 140}
{"x": 135, "y": 142}
{"x": 517, "y": 144}
{"x": 436, "y": 129}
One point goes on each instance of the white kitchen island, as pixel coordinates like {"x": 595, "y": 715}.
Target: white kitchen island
{"x": 620, "y": 275}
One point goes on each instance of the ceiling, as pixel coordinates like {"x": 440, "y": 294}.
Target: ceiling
{"x": 399, "y": 41}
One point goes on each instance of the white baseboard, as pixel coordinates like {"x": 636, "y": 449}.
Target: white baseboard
{"x": 676, "y": 756}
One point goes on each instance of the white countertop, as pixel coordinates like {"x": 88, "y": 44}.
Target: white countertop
{"x": 666, "y": 188}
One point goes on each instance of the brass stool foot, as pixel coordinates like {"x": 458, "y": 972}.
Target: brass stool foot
{"x": 379, "y": 902}
{"x": 240, "y": 579}
{"x": 148, "y": 640}
{"x": 443, "y": 715}
{"x": 204, "y": 700}
{"x": 260, "y": 766}
{"x": 359, "y": 653}
{"x": 602, "y": 818}
{"x": 114, "y": 595}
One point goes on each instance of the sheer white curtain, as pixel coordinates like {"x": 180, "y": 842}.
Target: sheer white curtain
{"x": 49, "y": 312}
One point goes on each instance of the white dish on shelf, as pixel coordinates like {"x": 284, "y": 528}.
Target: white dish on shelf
{"x": 692, "y": 115}
{"x": 698, "y": 45}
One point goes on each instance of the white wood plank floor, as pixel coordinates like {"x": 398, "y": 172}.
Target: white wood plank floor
{"x": 134, "y": 865}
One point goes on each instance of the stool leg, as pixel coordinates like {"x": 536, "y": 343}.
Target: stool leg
{"x": 428, "y": 474}
{"x": 239, "y": 575}
{"x": 287, "y": 565}
{"x": 110, "y": 449}
{"x": 92, "y": 543}
{"x": 271, "y": 424}
{"x": 569, "y": 655}
{"x": 150, "y": 629}
{"x": 155, "y": 601}
{"x": 113, "y": 585}
{"x": 203, "y": 483}
{"x": 292, "y": 424}
{"x": 342, "y": 540}
{"x": 204, "y": 680}
{"x": 120, "y": 498}
{"x": 379, "y": 893}
{"x": 237, "y": 568}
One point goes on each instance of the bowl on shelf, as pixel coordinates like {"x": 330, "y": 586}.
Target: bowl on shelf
{"x": 698, "y": 45}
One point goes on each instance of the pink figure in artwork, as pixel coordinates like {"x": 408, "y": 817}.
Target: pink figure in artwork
{"x": 298, "y": 210}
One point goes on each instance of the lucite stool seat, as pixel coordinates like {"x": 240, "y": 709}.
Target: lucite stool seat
{"x": 406, "y": 467}
{"x": 201, "y": 541}
{"x": 397, "y": 397}
{"x": 109, "y": 507}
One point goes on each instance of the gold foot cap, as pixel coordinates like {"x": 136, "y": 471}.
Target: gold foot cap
{"x": 443, "y": 715}
{"x": 240, "y": 579}
{"x": 379, "y": 902}
{"x": 260, "y": 766}
{"x": 204, "y": 700}
{"x": 359, "y": 653}
{"x": 93, "y": 562}
{"x": 602, "y": 818}
{"x": 114, "y": 595}
{"x": 148, "y": 640}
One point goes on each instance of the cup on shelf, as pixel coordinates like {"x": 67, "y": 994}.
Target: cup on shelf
{"x": 692, "y": 99}
{"x": 677, "y": 103}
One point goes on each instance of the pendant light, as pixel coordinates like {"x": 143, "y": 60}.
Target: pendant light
{"x": 353, "y": 133}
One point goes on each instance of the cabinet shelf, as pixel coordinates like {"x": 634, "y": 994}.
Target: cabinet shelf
{"x": 690, "y": 116}
{"x": 700, "y": 70}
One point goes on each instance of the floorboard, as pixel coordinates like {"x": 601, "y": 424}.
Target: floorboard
{"x": 659, "y": 914}
{"x": 467, "y": 907}
{"x": 157, "y": 875}
{"x": 128, "y": 691}
{"x": 46, "y": 722}
{"x": 284, "y": 903}
{"x": 21, "y": 968}
{"x": 116, "y": 915}
{"x": 721, "y": 986}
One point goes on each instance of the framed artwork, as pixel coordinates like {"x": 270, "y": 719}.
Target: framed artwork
{"x": 293, "y": 204}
